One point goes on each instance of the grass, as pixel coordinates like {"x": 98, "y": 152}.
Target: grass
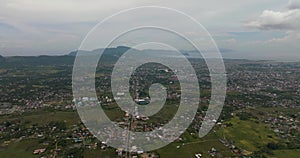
{"x": 187, "y": 151}
{"x": 44, "y": 117}
{"x": 287, "y": 153}
{"x": 194, "y": 146}
{"x": 248, "y": 134}
{"x": 108, "y": 153}
{"x": 19, "y": 149}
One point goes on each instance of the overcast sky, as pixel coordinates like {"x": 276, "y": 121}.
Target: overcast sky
{"x": 249, "y": 28}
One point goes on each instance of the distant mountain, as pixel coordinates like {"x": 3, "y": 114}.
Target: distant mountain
{"x": 109, "y": 55}
{"x": 73, "y": 53}
{"x": 2, "y": 58}
{"x": 23, "y": 61}
{"x": 108, "y": 51}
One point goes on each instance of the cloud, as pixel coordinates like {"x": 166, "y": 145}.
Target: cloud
{"x": 294, "y": 4}
{"x": 290, "y": 37}
{"x": 287, "y": 20}
{"x": 277, "y": 20}
{"x": 59, "y": 11}
{"x": 57, "y": 26}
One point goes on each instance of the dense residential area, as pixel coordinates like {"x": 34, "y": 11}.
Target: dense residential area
{"x": 38, "y": 117}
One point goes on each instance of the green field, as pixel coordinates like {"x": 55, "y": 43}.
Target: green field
{"x": 108, "y": 153}
{"x": 44, "y": 117}
{"x": 191, "y": 144}
{"x": 20, "y": 149}
{"x": 287, "y": 153}
{"x": 248, "y": 134}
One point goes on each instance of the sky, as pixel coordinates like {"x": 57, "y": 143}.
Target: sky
{"x": 260, "y": 29}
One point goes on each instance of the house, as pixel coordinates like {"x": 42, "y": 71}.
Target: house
{"x": 198, "y": 155}
{"x": 39, "y": 151}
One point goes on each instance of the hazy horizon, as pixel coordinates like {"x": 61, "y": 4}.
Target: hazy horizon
{"x": 226, "y": 54}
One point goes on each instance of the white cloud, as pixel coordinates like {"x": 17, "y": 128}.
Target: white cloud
{"x": 277, "y": 20}
{"x": 286, "y": 20}
{"x": 291, "y": 36}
